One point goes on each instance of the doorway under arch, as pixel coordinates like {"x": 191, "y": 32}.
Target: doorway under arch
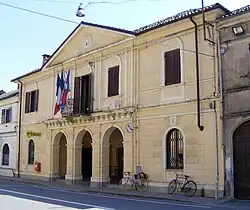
{"x": 84, "y": 156}
{"x": 113, "y": 154}
{"x": 241, "y": 157}
{"x": 60, "y": 154}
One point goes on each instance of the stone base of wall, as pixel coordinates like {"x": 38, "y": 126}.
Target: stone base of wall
{"x": 34, "y": 177}
{"x": 202, "y": 191}
{"x": 153, "y": 187}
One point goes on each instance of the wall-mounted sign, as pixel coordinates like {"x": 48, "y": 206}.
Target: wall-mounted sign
{"x": 29, "y": 134}
{"x": 130, "y": 127}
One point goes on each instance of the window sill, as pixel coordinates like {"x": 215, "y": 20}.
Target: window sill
{"x": 173, "y": 85}
{"x": 5, "y": 166}
{"x": 30, "y": 113}
{"x": 174, "y": 170}
{"x": 113, "y": 97}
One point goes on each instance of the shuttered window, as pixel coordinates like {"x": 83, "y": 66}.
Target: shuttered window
{"x": 172, "y": 67}
{"x": 31, "y": 101}
{"x": 27, "y": 102}
{"x": 6, "y": 116}
{"x": 83, "y": 95}
{"x": 77, "y": 96}
{"x": 113, "y": 81}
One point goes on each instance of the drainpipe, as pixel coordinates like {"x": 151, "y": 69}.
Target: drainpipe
{"x": 19, "y": 127}
{"x": 219, "y": 63}
{"x": 215, "y": 93}
{"x": 201, "y": 127}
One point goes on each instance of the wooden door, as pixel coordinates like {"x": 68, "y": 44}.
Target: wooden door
{"x": 242, "y": 162}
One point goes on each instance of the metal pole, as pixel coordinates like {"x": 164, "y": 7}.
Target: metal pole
{"x": 19, "y": 128}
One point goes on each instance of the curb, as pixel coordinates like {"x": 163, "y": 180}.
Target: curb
{"x": 100, "y": 192}
{"x": 141, "y": 196}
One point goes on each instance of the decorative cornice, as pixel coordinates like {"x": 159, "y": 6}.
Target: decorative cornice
{"x": 92, "y": 118}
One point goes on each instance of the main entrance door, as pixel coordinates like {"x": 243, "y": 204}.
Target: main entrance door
{"x": 241, "y": 141}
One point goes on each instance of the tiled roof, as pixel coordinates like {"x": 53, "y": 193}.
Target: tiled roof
{"x": 108, "y": 27}
{"x": 178, "y": 17}
{"x": 27, "y": 74}
{"x": 237, "y": 12}
{"x": 158, "y": 24}
{"x": 9, "y": 94}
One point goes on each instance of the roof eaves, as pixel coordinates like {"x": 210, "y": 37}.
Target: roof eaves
{"x": 120, "y": 30}
{"x": 236, "y": 12}
{"x": 178, "y": 17}
{"x": 9, "y": 94}
{"x": 25, "y": 75}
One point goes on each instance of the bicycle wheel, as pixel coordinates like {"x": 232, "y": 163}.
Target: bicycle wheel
{"x": 125, "y": 183}
{"x": 190, "y": 188}
{"x": 172, "y": 186}
{"x": 141, "y": 185}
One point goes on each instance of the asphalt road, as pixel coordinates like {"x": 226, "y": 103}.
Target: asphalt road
{"x": 20, "y": 196}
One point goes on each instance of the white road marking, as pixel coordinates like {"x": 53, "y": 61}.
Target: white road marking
{"x": 11, "y": 185}
{"x": 59, "y": 200}
{"x": 9, "y": 202}
{"x": 123, "y": 198}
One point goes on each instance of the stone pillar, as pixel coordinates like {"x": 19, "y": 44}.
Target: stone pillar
{"x": 70, "y": 159}
{"x": 55, "y": 162}
{"x": 100, "y": 165}
{"x": 77, "y": 164}
{"x": 128, "y": 155}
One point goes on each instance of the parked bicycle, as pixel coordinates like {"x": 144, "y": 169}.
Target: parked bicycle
{"x": 188, "y": 187}
{"x": 138, "y": 181}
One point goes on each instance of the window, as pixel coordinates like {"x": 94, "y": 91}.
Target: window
{"x": 174, "y": 150}
{"x": 83, "y": 95}
{"x": 113, "y": 81}
{"x": 6, "y": 155}
{"x": 31, "y": 152}
{"x": 172, "y": 67}
{"x": 6, "y": 115}
{"x": 31, "y": 101}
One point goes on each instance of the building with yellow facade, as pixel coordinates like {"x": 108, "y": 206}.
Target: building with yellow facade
{"x": 145, "y": 98}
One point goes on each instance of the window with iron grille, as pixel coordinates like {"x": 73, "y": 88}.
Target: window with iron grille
{"x": 6, "y": 154}
{"x": 31, "y": 152}
{"x": 174, "y": 150}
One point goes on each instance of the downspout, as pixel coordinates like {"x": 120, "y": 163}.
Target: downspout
{"x": 201, "y": 127}
{"x": 215, "y": 93}
{"x": 219, "y": 63}
{"x": 19, "y": 127}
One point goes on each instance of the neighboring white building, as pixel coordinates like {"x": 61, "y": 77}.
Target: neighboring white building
{"x": 8, "y": 134}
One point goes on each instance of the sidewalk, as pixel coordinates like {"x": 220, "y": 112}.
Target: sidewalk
{"x": 115, "y": 191}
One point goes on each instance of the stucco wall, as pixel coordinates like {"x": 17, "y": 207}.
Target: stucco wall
{"x": 235, "y": 62}
{"x": 141, "y": 84}
{"x": 8, "y": 134}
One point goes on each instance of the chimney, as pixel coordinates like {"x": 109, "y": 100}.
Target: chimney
{"x": 1, "y": 92}
{"x": 45, "y": 58}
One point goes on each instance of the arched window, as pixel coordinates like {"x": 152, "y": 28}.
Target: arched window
{"x": 174, "y": 149}
{"x": 31, "y": 152}
{"x": 6, "y": 155}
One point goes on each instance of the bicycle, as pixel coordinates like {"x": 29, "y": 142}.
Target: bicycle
{"x": 188, "y": 187}
{"x": 138, "y": 181}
